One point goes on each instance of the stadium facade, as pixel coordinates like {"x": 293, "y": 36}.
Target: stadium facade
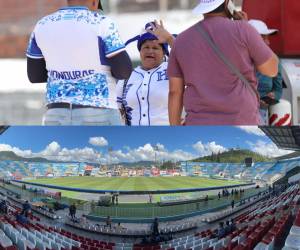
{"x": 264, "y": 171}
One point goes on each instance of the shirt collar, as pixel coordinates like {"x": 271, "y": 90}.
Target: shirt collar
{"x": 141, "y": 70}
{"x": 74, "y": 8}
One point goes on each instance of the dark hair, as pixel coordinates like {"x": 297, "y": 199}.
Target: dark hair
{"x": 220, "y": 9}
{"x": 151, "y": 40}
{"x": 100, "y": 5}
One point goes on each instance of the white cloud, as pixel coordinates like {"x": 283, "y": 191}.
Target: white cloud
{"x": 17, "y": 151}
{"x": 252, "y": 130}
{"x": 52, "y": 149}
{"x": 98, "y": 141}
{"x": 268, "y": 149}
{"x": 208, "y": 148}
{"x": 147, "y": 152}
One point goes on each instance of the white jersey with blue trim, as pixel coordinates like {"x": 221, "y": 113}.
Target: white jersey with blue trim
{"x": 145, "y": 96}
{"x": 76, "y": 43}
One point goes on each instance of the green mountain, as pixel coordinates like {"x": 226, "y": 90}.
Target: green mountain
{"x": 137, "y": 164}
{"x": 11, "y": 156}
{"x": 233, "y": 156}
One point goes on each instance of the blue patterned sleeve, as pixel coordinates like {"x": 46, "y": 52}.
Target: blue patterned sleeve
{"x": 120, "y": 90}
{"x": 113, "y": 43}
{"x": 33, "y": 50}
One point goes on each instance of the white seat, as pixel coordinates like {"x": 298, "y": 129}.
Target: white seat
{"x": 2, "y": 224}
{"x": 189, "y": 245}
{"x": 76, "y": 243}
{"x": 198, "y": 247}
{"x": 261, "y": 246}
{"x": 58, "y": 240}
{"x": 39, "y": 235}
{"x": 46, "y": 240}
{"x": 7, "y": 230}
{"x": 205, "y": 245}
{"x": 218, "y": 245}
{"x": 287, "y": 248}
{"x": 32, "y": 238}
{"x": 66, "y": 245}
{"x": 21, "y": 244}
{"x": 242, "y": 238}
{"x": 40, "y": 245}
{"x": 68, "y": 240}
{"x": 293, "y": 241}
{"x": 5, "y": 241}
{"x": 295, "y": 230}
{"x": 14, "y": 237}
{"x": 55, "y": 246}
{"x": 181, "y": 247}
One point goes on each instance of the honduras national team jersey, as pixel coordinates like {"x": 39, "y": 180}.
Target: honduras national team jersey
{"x": 145, "y": 96}
{"x": 76, "y": 43}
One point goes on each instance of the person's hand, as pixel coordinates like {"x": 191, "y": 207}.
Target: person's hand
{"x": 271, "y": 95}
{"x": 161, "y": 33}
{"x": 263, "y": 105}
{"x": 240, "y": 15}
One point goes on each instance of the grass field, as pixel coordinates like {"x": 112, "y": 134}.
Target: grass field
{"x": 135, "y": 183}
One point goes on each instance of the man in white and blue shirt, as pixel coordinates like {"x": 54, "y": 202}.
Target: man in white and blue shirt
{"x": 80, "y": 54}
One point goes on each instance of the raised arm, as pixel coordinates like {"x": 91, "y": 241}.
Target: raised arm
{"x": 163, "y": 35}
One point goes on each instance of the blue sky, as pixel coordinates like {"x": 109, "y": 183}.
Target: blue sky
{"x": 133, "y": 143}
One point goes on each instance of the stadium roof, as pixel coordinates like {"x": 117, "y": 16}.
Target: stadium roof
{"x": 2, "y": 129}
{"x": 284, "y": 137}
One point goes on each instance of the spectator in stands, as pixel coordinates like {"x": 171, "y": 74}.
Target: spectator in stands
{"x": 206, "y": 198}
{"x": 143, "y": 98}
{"x": 4, "y": 205}
{"x": 72, "y": 211}
{"x": 108, "y": 222}
{"x": 221, "y": 230}
{"x": 113, "y": 199}
{"x": 219, "y": 195}
{"x": 117, "y": 199}
{"x": 232, "y": 225}
{"x": 203, "y": 83}
{"x": 120, "y": 227}
{"x": 26, "y": 208}
{"x": 155, "y": 231}
{"x": 227, "y": 228}
{"x": 150, "y": 198}
{"x": 232, "y": 204}
{"x": 21, "y": 218}
{"x": 83, "y": 220}
{"x": 93, "y": 205}
{"x": 81, "y": 79}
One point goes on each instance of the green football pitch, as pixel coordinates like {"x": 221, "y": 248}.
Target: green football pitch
{"x": 135, "y": 183}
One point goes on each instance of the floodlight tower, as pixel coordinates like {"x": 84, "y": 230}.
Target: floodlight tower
{"x": 109, "y": 149}
{"x": 156, "y": 149}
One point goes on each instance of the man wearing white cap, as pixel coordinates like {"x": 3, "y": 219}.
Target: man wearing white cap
{"x": 269, "y": 88}
{"x": 201, "y": 79}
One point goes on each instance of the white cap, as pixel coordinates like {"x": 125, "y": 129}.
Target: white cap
{"x": 206, "y": 6}
{"x": 262, "y": 28}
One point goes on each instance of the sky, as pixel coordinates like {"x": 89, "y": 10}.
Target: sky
{"x": 131, "y": 144}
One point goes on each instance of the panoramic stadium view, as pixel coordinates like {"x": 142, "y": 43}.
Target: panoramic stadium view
{"x": 146, "y": 188}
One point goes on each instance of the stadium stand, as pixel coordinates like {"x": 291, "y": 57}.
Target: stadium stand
{"x": 260, "y": 225}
